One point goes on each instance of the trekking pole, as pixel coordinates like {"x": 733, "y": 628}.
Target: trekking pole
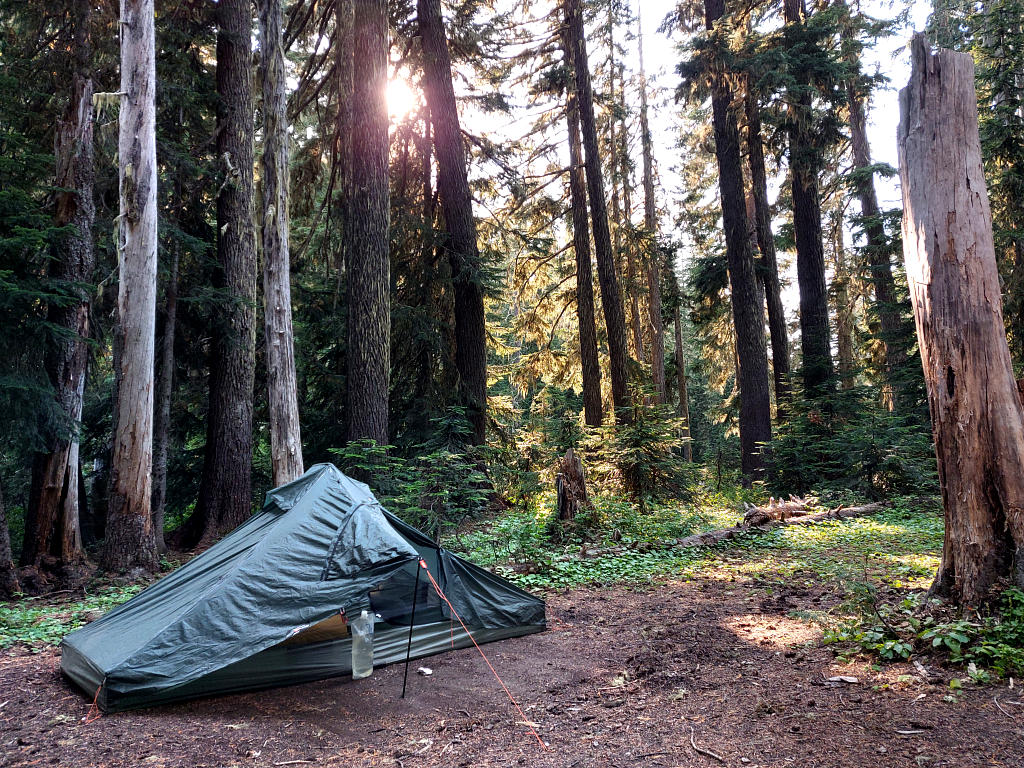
{"x": 412, "y": 623}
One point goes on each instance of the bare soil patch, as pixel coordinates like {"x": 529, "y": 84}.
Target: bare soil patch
{"x": 623, "y": 678}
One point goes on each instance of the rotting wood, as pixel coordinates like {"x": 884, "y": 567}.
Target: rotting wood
{"x": 976, "y": 413}
{"x": 571, "y": 486}
{"x": 129, "y": 541}
{"x": 777, "y": 509}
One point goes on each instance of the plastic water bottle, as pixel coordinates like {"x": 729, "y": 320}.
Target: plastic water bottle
{"x": 362, "y": 645}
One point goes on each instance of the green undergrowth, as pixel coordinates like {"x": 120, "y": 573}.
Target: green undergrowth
{"x": 990, "y": 645}
{"x": 37, "y": 621}
{"x": 897, "y": 548}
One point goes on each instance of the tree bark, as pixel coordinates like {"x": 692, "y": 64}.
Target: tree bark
{"x": 878, "y": 249}
{"x": 343, "y": 63}
{"x": 748, "y": 316}
{"x": 162, "y": 409}
{"x": 282, "y": 385}
{"x": 655, "y": 324}
{"x": 844, "y": 300}
{"x": 683, "y": 407}
{"x": 570, "y": 487}
{"x": 769, "y": 265}
{"x": 805, "y": 166}
{"x": 611, "y": 296}
{"x": 621, "y": 218}
{"x": 977, "y": 417}
{"x": 225, "y": 490}
{"x": 129, "y": 539}
{"x": 457, "y": 208}
{"x": 9, "y": 581}
{"x": 52, "y": 520}
{"x": 369, "y": 271}
{"x": 592, "y": 410}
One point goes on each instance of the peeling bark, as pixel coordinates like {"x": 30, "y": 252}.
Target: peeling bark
{"x": 129, "y": 539}
{"x": 52, "y": 522}
{"x": 977, "y": 416}
{"x": 282, "y": 385}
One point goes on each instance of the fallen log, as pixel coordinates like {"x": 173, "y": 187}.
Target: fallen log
{"x": 777, "y": 509}
{"x": 710, "y": 538}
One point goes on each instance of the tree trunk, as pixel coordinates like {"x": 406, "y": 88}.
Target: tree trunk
{"x": 282, "y": 386}
{"x": 225, "y": 490}
{"x": 52, "y": 520}
{"x": 162, "y": 410}
{"x": 769, "y": 265}
{"x": 611, "y": 296}
{"x": 655, "y": 324}
{"x": 369, "y": 272}
{"x": 9, "y": 582}
{"x": 683, "y": 407}
{"x": 621, "y": 219}
{"x": 747, "y": 302}
{"x": 805, "y": 166}
{"x": 977, "y": 417}
{"x": 878, "y": 249}
{"x": 129, "y": 532}
{"x": 457, "y": 207}
{"x": 592, "y": 411}
{"x": 570, "y": 487}
{"x": 343, "y": 64}
{"x": 844, "y": 300}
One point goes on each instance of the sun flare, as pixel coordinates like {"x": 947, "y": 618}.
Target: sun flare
{"x": 402, "y": 98}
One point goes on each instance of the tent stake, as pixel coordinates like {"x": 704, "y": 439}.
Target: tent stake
{"x": 412, "y": 624}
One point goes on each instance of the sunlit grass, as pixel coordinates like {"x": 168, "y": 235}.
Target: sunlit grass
{"x": 898, "y": 547}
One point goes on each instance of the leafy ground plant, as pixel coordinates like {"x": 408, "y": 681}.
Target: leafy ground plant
{"x": 34, "y": 621}
{"x": 918, "y": 624}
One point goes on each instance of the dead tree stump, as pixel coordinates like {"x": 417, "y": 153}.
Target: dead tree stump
{"x": 977, "y": 416}
{"x": 571, "y": 486}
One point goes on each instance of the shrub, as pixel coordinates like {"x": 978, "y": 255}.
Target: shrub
{"x": 846, "y": 440}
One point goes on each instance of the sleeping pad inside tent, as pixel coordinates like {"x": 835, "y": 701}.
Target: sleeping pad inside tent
{"x": 269, "y": 604}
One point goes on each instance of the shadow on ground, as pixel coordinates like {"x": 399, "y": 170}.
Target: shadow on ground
{"x": 654, "y": 677}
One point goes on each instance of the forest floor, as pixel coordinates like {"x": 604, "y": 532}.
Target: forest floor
{"x": 726, "y": 658}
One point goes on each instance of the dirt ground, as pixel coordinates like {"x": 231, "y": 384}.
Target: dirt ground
{"x": 658, "y": 677}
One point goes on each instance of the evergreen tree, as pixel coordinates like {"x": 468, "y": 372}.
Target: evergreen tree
{"x": 611, "y": 296}
{"x": 225, "y": 491}
{"x": 747, "y": 300}
{"x": 805, "y": 164}
{"x": 53, "y": 515}
{"x": 460, "y": 227}
{"x": 369, "y": 277}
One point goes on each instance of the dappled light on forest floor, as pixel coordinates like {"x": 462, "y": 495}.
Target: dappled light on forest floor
{"x": 772, "y": 631}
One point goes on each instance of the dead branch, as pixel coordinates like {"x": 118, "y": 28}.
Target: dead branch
{"x": 701, "y": 750}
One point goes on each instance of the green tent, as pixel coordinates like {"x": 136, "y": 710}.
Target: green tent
{"x": 267, "y": 605}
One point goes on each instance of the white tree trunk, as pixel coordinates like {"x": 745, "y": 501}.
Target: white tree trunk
{"x": 282, "y": 397}
{"x": 129, "y": 539}
{"x": 977, "y": 417}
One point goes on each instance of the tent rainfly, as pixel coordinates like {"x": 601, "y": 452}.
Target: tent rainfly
{"x": 267, "y": 605}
